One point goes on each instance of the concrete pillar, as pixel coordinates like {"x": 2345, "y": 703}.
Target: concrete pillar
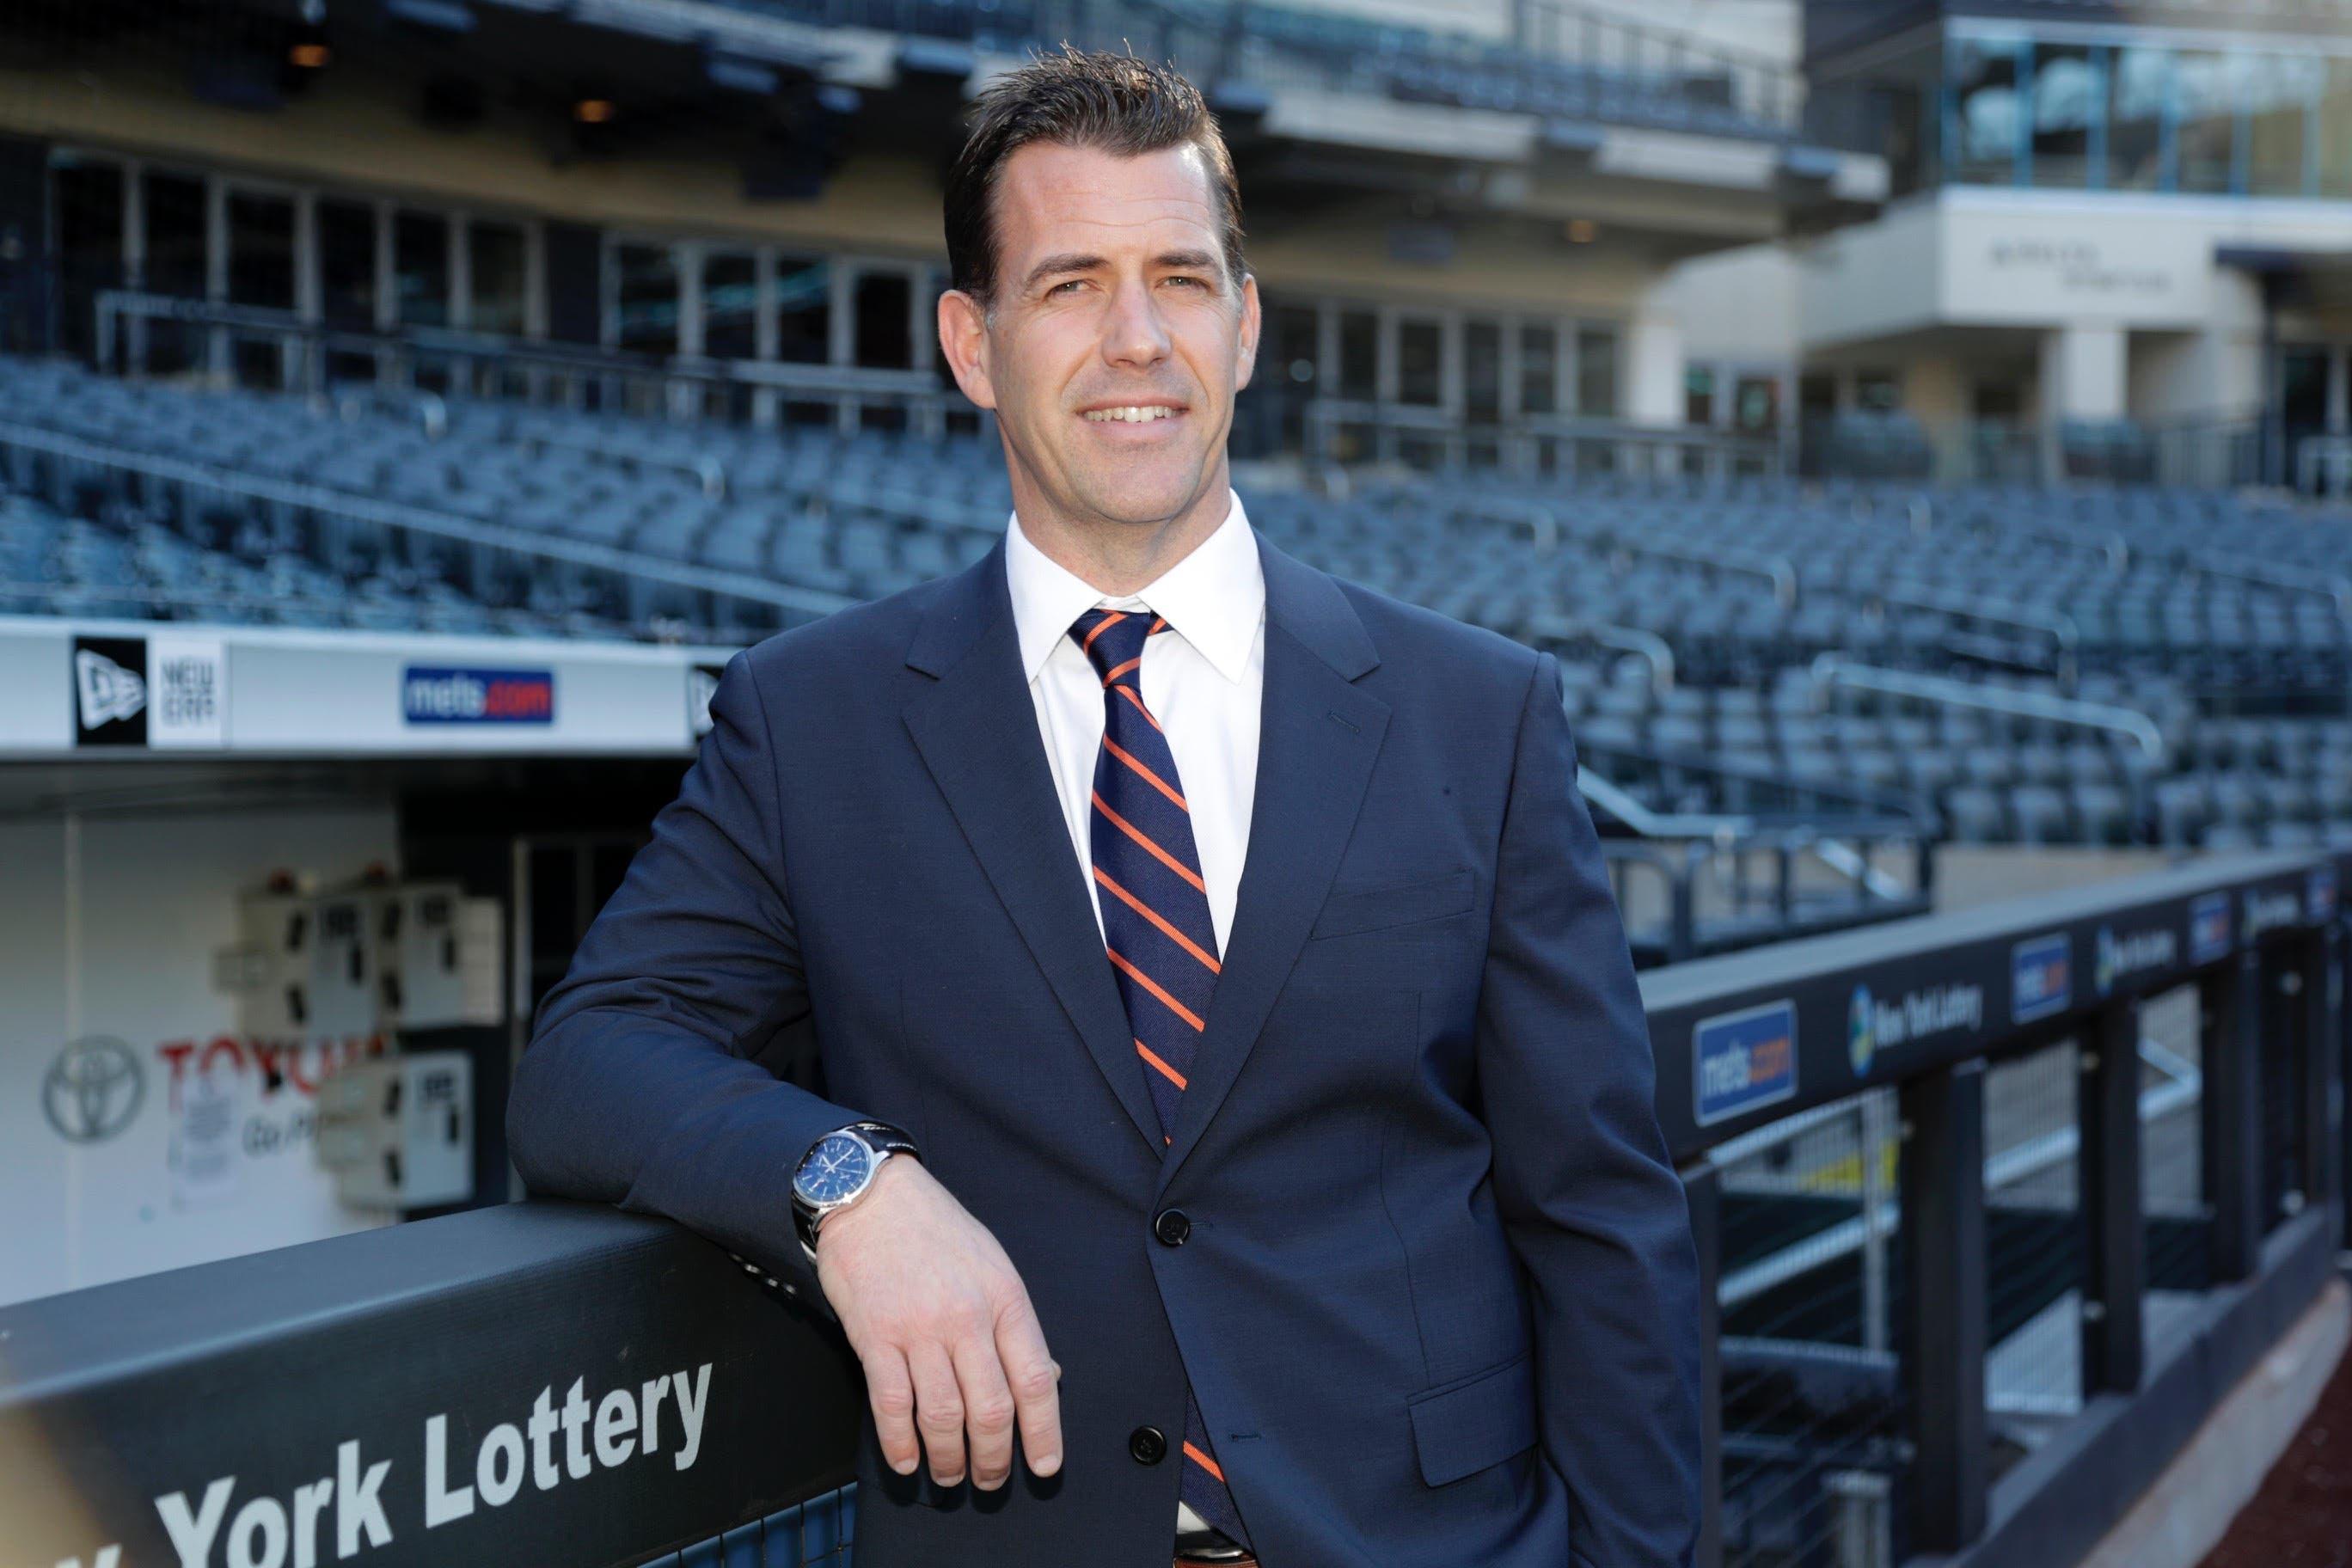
{"x": 1653, "y": 367}
{"x": 2083, "y": 372}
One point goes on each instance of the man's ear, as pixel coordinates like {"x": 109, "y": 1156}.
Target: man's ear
{"x": 963, "y": 339}
{"x": 1247, "y": 358}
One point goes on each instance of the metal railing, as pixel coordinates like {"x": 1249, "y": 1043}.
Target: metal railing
{"x": 1352, "y": 431}
{"x": 1849, "y": 1283}
{"x": 314, "y": 359}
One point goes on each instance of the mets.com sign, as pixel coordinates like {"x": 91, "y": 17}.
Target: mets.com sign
{"x": 437, "y": 694}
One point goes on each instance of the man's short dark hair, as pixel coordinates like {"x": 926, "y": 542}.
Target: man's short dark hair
{"x": 1114, "y": 104}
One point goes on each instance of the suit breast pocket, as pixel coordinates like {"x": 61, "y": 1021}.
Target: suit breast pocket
{"x": 1351, "y": 909}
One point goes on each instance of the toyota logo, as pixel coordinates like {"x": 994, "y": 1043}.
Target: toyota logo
{"x": 93, "y": 1089}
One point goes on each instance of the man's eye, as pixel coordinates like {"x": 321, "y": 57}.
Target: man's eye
{"x": 1196, "y": 282}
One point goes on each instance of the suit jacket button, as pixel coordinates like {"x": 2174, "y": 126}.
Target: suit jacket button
{"x": 1172, "y": 1227}
{"x": 1148, "y": 1445}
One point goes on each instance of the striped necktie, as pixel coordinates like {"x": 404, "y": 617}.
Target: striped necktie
{"x": 1156, "y": 927}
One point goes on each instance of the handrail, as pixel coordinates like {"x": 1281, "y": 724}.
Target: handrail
{"x": 2335, "y": 586}
{"x": 1831, "y": 670}
{"x": 1653, "y": 649}
{"x": 1650, "y": 823}
{"x": 811, "y": 602}
{"x": 1545, "y": 529}
{"x": 2056, "y": 624}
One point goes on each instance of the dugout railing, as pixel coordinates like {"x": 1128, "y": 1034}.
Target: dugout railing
{"x": 1993, "y": 1206}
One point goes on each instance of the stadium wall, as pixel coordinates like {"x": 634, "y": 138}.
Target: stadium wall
{"x": 195, "y": 1139}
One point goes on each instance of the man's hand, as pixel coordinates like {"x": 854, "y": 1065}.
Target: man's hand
{"x": 943, "y": 1326}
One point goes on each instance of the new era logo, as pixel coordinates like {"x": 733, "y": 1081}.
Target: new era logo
{"x": 109, "y": 692}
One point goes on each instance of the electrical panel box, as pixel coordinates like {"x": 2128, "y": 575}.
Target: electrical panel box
{"x": 443, "y": 961}
{"x": 269, "y": 968}
{"x": 342, "y": 965}
{"x": 397, "y": 1130}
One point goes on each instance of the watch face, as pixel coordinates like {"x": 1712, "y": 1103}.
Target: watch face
{"x": 834, "y": 1170}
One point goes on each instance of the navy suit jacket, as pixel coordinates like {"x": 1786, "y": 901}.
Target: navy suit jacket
{"x": 1439, "y": 1301}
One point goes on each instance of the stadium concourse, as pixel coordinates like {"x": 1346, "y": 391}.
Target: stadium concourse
{"x": 2108, "y": 666}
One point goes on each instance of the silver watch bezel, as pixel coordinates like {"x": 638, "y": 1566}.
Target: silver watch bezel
{"x": 875, "y": 1156}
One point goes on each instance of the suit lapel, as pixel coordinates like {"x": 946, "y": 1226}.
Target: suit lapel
{"x": 977, "y": 731}
{"x": 1318, "y": 734}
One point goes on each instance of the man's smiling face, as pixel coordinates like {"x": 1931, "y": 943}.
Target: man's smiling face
{"x": 1117, "y": 340}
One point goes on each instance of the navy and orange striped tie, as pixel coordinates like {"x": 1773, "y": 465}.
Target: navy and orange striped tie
{"x": 1155, "y": 915}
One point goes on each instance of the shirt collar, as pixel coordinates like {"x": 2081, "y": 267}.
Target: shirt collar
{"x": 1213, "y": 597}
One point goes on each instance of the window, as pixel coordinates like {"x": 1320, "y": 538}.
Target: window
{"x": 420, "y": 269}
{"x": 644, "y": 298}
{"x": 1482, "y": 372}
{"x": 1756, "y": 406}
{"x": 260, "y": 250}
{"x": 2205, "y": 90}
{"x": 2336, "y": 131}
{"x": 1596, "y": 373}
{"x": 1539, "y": 368}
{"x": 880, "y": 305}
{"x": 1985, "y": 111}
{"x": 89, "y": 206}
{"x": 2066, "y": 93}
{"x": 174, "y": 263}
{"x": 1699, "y": 396}
{"x": 1877, "y": 391}
{"x": 804, "y": 309}
{"x": 500, "y": 261}
{"x": 2281, "y": 95}
{"x": 731, "y": 316}
{"x": 175, "y": 235}
{"x": 347, "y": 264}
{"x": 1421, "y": 362}
{"x": 1359, "y": 336}
{"x": 2141, "y": 82}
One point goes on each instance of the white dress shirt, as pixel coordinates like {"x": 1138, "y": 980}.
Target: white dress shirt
{"x": 1202, "y": 677}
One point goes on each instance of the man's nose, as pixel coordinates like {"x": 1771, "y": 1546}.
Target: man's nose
{"x": 1133, "y": 332}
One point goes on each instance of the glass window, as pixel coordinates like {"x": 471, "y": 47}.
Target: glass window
{"x": 1985, "y": 111}
{"x": 1539, "y": 368}
{"x": 420, "y": 269}
{"x": 1755, "y": 405}
{"x": 644, "y": 298}
{"x": 347, "y": 264}
{"x": 1699, "y": 396}
{"x": 89, "y": 205}
{"x": 499, "y": 261}
{"x": 881, "y": 302}
{"x": 2066, "y": 91}
{"x": 2336, "y": 131}
{"x": 175, "y": 235}
{"x": 1359, "y": 334}
{"x": 174, "y": 263}
{"x": 1421, "y": 362}
{"x": 2206, "y": 91}
{"x": 730, "y": 294}
{"x": 1596, "y": 373}
{"x": 260, "y": 250}
{"x": 1482, "y": 372}
{"x": 2280, "y": 91}
{"x": 1877, "y": 391}
{"x": 2140, "y": 83}
{"x": 804, "y": 309}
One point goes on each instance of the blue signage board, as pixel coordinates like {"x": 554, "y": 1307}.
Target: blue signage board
{"x": 437, "y": 694}
{"x": 2209, "y": 928}
{"x": 2040, "y": 977}
{"x": 1744, "y": 1059}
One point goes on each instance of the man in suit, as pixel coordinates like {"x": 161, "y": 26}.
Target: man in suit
{"x": 1236, "y": 1132}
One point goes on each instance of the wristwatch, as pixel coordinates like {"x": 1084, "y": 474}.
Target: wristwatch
{"x": 839, "y": 1170}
